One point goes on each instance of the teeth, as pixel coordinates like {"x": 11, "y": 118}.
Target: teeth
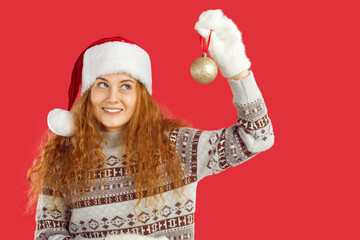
{"x": 112, "y": 110}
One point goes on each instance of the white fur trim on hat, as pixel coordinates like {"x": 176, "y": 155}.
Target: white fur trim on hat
{"x": 116, "y": 57}
{"x": 60, "y": 122}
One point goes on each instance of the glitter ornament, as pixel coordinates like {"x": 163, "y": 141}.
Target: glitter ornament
{"x": 204, "y": 69}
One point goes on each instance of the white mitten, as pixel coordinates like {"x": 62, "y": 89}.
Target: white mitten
{"x": 226, "y": 46}
{"x": 133, "y": 237}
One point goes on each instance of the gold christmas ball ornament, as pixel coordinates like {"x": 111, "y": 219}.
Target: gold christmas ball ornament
{"x": 204, "y": 69}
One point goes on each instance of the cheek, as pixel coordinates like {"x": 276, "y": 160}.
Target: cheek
{"x": 130, "y": 102}
{"x": 95, "y": 99}
{"x": 133, "y": 103}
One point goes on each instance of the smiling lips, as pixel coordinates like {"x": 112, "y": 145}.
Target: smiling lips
{"x": 112, "y": 110}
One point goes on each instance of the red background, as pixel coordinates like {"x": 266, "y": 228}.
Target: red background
{"x": 305, "y": 60}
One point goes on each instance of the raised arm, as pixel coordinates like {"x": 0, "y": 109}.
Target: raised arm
{"x": 208, "y": 152}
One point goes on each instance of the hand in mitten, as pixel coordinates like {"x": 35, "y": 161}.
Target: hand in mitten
{"x": 226, "y": 46}
{"x": 132, "y": 237}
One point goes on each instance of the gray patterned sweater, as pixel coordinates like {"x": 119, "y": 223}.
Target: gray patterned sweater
{"x": 110, "y": 210}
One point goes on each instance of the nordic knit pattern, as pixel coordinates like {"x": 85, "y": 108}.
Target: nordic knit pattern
{"x": 110, "y": 210}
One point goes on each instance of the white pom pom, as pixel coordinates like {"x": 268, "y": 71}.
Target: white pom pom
{"x": 61, "y": 122}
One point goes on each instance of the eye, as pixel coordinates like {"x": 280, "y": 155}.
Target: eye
{"x": 126, "y": 87}
{"x": 103, "y": 85}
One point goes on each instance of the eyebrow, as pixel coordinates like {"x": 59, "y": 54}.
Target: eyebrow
{"x": 125, "y": 80}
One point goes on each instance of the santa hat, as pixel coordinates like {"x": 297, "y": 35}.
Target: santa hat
{"x": 103, "y": 57}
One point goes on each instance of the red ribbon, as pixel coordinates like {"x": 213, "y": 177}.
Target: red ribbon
{"x": 202, "y": 43}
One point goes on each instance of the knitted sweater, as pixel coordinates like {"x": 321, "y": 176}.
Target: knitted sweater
{"x": 110, "y": 210}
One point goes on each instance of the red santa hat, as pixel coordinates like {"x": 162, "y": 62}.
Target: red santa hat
{"x": 103, "y": 57}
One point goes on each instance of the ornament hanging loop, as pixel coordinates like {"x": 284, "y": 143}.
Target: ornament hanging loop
{"x": 205, "y": 47}
{"x": 204, "y": 69}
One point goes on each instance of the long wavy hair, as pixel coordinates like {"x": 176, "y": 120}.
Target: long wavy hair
{"x": 63, "y": 168}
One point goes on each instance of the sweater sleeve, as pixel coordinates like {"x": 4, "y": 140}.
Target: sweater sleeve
{"x": 208, "y": 152}
{"x": 51, "y": 225}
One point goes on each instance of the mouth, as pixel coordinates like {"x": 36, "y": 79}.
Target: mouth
{"x": 112, "y": 110}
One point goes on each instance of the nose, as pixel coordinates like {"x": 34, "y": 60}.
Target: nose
{"x": 113, "y": 95}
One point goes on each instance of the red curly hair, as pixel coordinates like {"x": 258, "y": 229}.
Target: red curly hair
{"x": 66, "y": 160}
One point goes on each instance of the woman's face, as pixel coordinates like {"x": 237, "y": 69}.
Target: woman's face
{"x": 113, "y": 98}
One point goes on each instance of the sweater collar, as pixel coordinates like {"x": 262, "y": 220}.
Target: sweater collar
{"x": 112, "y": 138}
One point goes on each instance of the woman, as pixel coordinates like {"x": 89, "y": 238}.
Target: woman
{"x": 116, "y": 168}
